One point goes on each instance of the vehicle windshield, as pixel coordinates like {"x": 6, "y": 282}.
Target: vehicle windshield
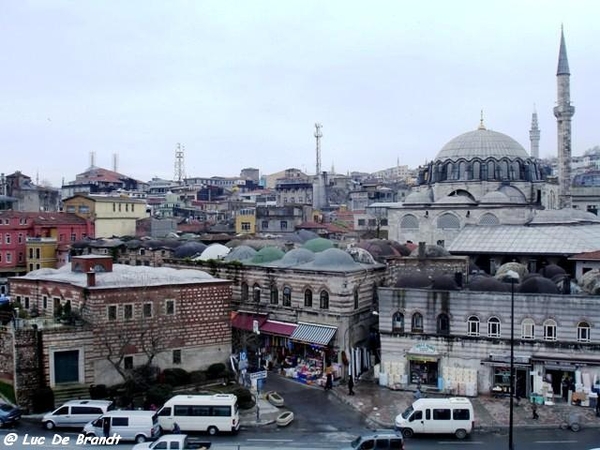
{"x": 406, "y": 414}
{"x": 6, "y": 407}
{"x": 355, "y": 442}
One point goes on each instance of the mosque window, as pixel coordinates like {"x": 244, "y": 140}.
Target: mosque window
{"x": 324, "y": 300}
{"x": 494, "y": 327}
{"x": 417, "y": 323}
{"x": 409, "y": 222}
{"x": 550, "y": 330}
{"x": 287, "y": 296}
{"x": 256, "y": 293}
{"x": 443, "y": 324}
{"x": 448, "y": 220}
{"x": 274, "y": 295}
{"x": 528, "y": 329}
{"x": 473, "y": 326}
{"x": 583, "y": 332}
{"x": 489, "y": 219}
{"x": 308, "y": 298}
{"x": 355, "y": 298}
{"x": 476, "y": 170}
{"x": 244, "y": 291}
{"x": 398, "y": 322}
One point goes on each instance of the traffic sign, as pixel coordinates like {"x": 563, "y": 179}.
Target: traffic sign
{"x": 243, "y": 356}
{"x": 258, "y": 375}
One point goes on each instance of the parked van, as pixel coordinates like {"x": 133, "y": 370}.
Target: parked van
{"x": 210, "y": 413}
{"x": 452, "y": 415}
{"x": 76, "y": 413}
{"x": 138, "y": 426}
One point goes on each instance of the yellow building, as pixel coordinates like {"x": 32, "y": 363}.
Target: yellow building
{"x": 245, "y": 221}
{"x": 112, "y": 216}
{"x": 41, "y": 253}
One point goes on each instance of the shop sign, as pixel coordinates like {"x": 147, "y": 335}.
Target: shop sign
{"x": 423, "y": 349}
{"x": 258, "y": 375}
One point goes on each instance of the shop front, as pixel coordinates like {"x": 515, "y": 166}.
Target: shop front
{"x": 276, "y": 343}
{"x": 500, "y": 375}
{"x": 423, "y": 367}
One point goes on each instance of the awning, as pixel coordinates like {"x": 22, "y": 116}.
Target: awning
{"x": 311, "y": 333}
{"x": 423, "y": 358}
{"x": 245, "y": 321}
{"x": 494, "y": 363}
{"x": 278, "y": 328}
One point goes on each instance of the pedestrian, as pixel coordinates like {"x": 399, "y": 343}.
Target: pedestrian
{"x": 329, "y": 377}
{"x": 106, "y": 426}
{"x": 418, "y": 394}
{"x": 597, "y": 407}
{"x": 351, "y": 385}
{"x": 534, "y": 411}
{"x": 176, "y": 429}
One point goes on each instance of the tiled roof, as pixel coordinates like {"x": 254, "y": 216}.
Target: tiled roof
{"x": 587, "y": 256}
{"x": 43, "y": 218}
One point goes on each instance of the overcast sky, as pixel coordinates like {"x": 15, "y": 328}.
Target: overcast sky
{"x": 242, "y": 83}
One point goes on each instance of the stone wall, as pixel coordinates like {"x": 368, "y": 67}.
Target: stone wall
{"x": 28, "y": 370}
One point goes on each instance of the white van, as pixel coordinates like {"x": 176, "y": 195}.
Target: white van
{"x": 452, "y": 415}
{"x": 76, "y": 413}
{"x": 210, "y": 413}
{"x": 138, "y": 426}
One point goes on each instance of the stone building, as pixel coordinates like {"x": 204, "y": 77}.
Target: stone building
{"x": 119, "y": 318}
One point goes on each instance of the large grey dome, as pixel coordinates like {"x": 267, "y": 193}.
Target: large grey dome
{"x": 482, "y": 143}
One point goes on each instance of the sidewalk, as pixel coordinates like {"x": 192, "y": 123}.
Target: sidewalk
{"x": 381, "y": 405}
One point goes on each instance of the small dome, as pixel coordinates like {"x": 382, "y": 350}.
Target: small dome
{"x": 189, "y": 249}
{"x": 456, "y": 200}
{"x": 333, "y": 257}
{"x": 422, "y": 196}
{"x": 401, "y": 249}
{"x": 432, "y": 251}
{"x": 590, "y": 282}
{"x": 296, "y": 257}
{"x": 240, "y": 253}
{"x": 551, "y": 270}
{"x": 514, "y": 195}
{"x": 444, "y": 282}
{"x": 133, "y": 244}
{"x": 318, "y": 245}
{"x": 214, "y": 251}
{"x": 306, "y": 235}
{"x": 487, "y": 283}
{"x": 413, "y": 281}
{"x": 538, "y": 285}
{"x": 518, "y": 268}
{"x": 267, "y": 255}
{"x": 482, "y": 144}
{"x": 360, "y": 255}
{"x": 379, "y": 248}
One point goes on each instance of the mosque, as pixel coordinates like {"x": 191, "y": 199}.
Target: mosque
{"x": 484, "y": 185}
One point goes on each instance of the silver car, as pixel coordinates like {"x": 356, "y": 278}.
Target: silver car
{"x": 9, "y": 414}
{"x": 76, "y": 413}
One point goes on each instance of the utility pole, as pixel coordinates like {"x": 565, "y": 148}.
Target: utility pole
{"x": 318, "y": 136}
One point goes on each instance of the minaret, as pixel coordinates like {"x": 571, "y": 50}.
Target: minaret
{"x": 534, "y": 136}
{"x": 563, "y": 111}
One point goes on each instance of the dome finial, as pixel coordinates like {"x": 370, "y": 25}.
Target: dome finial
{"x": 481, "y": 125}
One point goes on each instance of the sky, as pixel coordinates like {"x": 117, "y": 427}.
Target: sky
{"x": 242, "y": 83}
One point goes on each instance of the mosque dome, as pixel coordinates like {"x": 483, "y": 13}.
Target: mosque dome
{"x": 421, "y": 196}
{"x": 482, "y": 143}
{"x": 240, "y": 253}
{"x": 189, "y": 249}
{"x": 334, "y": 258}
{"x": 318, "y": 244}
{"x": 297, "y": 256}
{"x": 214, "y": 251}
{"x": 267, "y": 255}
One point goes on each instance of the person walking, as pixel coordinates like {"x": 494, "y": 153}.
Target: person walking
{"x": 328, "y": 377}
{"x": 176, "y": 429}
{"x": 351, "y": 385}
{"x": 534, "y": 411}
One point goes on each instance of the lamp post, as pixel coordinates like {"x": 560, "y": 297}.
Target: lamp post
{"x": 349, "y": 355}
{"x": 513, "y": 276}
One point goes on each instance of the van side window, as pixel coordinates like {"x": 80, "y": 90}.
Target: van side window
{"x": 427, "y": 414}
{"x": 85, "y": 410}
{"x": 396, "y": 444}
{"x": 162, "y": 444}
{"x": 166, "y": 411}
{"x": 120, "y": 421}
{"x": 181, "y": 411}
{"x": 461, "y": 414}
{"x": 62, "y": 411}
{"x": 174, "y": 445}
{"x": 368, "y": 445}
{"x": 221, "y": 411}
{"x": 417, "y": 415}
{"x": 441, "y": 414}
{"x": 382, "y": 443}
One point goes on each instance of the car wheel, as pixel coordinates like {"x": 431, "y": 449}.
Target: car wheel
{"x": 212, "y": 430}
{"x": 140, "y": 438}
{"x": 407, "y": 433}
{"x": 575, "y": 426}
{"x": 460, "y": 433}
{"x": 49, "y": 425}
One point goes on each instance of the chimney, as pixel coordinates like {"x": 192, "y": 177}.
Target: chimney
{"x": 91, "y": 278}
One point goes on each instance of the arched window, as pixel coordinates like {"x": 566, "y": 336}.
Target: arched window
{"x": 443, "y": 324}
{"x": 324, "y": 300}
{"x": 244, "y": 291}
{"x": 448, "y": 220}
{"x": 274, "y": 295}
{"x": 417, "y": 323}
{"x": 308, "y": 298}
{"x": 494, "y": 327}
{"x": 550, "y": 330}
{"x": 355, "y": 298}
{"x": 256, "y": 293}
{"x": 398, "y": 322}
{"x": 473, "y": 326}
{"x": 476, "y": 170}
{"x": 489, "y": 219}
{"x": 583, "y": 332}
{"x": 409, "y": 222}
{"x": 528, "y": 329}
{"x": 287, "y": 296}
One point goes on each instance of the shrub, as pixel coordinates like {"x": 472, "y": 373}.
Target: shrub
{"x": 244, "y": 396}
{"x": 216, "y": 370}
{"x": 42, "y": 400}
{"x": 175, "y": 377}
{"x": 197, "y": 376}
{"x": 98, "y": 391}
{"x": 158, "y": 394}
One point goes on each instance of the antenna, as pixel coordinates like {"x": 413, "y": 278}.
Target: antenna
{"x": 318, "y": 136}
{"x": 179, "y": 163}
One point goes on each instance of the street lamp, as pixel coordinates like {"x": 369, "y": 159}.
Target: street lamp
{"x": 513, "y": 277}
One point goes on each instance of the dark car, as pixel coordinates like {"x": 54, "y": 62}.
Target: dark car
{"x": 9, "y": 414}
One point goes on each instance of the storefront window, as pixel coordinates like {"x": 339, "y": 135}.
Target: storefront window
{"x": 494, "y": 327}
{"x": 583, "y": 332}
{"x": 549, "y": 330}
{"x": 473, "y": 326}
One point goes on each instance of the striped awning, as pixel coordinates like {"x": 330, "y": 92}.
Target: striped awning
{"x": 312, "y": 333}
